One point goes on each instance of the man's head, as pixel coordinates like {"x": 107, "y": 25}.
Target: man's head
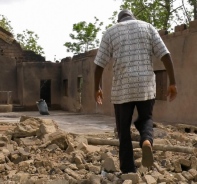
{"x": 124, "y": 13}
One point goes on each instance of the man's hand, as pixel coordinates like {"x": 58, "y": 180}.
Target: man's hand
{"x": 99, "y": 96}
{"x": 172, "y": 92}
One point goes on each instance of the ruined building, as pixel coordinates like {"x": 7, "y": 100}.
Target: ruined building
{"x": 26, "y": 77}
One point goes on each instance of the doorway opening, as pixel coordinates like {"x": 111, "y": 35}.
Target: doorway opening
{"x": 45, "y": 91}
{"x": 65, "y": 87}
{"x": 79, "y": 88}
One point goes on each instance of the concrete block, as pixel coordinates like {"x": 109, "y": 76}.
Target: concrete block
{"x": 193, "y": 160}
{"x": 193, "y": 172}
{"x": 131, "y": 176}
{"x": 180, "y": 177}
{"x": 149, "y": 179}
{"x": 6, "y": 108}
{"x": 127, "y": 182}
{"x": 88, "y": 148}
{"x": 160, "y": 169}
{"x": 20, "y": 177}
{"x": 60, "y": 181}
{"x": 187, "y": 175}
{"x": 2, "y": 158}
{"x": 48, "y": 126}
{"x": 94, "y": 169}
{"x": 2, "y": 168}
{"x": 94, "y": 179}
{"x": 177, "y": 166}
{"x": 110, "y": 164}
{"x": 184, "y": 162}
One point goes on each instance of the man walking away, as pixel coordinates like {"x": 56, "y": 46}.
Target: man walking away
{"x": 132, "y": 43}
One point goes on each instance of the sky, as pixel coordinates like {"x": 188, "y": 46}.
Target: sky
{"x": 52, "y": 20}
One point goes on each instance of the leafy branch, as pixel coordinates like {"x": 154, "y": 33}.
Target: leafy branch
{"x": 84, "y": 36}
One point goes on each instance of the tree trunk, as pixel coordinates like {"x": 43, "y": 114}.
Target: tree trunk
{"x": 156, "y": 147}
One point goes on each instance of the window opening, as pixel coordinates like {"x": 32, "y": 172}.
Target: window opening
{"x": 45, "y": 91}
{"x": 79, "y": 88}
{"x": 65, "y": 87}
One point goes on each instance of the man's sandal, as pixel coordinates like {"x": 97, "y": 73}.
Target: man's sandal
{"x": 147, "y": 155}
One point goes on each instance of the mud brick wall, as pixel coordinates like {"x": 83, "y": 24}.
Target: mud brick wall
{"x": 12, "y": 54}
{"x": 72, "y": 69}
{"x": 182, "y": 44}
{"x": 8, "y": 76}
{"x": 12, "y": 51}
{"x": 10, "y": 48}
{"x": 30, "y": 56}
{"x": 29, "y": 75}
{"x": 15, "y": 52}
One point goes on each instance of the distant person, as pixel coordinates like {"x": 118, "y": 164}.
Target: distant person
{"x": 132, "y": 43}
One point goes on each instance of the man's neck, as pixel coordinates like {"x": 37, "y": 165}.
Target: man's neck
{"x": 127, "y": 18}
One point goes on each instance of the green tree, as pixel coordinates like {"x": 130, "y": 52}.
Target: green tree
{"x": 84, "y": 37}
{"x": 193, "y": 3}
{"x": 5, "y": 24}
{"x": 113, "y": 19}
{"x": 28, "y": 41}
{"x": 160, "y": 13}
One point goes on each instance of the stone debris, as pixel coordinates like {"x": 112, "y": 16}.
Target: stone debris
{"x": 131, "y": 176}
{"x": 36, "y": 151}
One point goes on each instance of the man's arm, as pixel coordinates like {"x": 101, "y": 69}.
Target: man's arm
{"x": 102, "y": 59}
{"x": 98, "y": 94}
{"x": 167, "y": 61}
{"x": 168, "y": 64}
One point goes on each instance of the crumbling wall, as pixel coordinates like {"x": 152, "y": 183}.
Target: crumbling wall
{"x": 15, "y": 73}
{"x": 182, "y": 44}
{"x": 8, "y": 76}
{"x": 9, "y": 52}
{"x": 80, "y": 66}
{"x": 29, "y": 75}
{"x": 10, "y": 48}
{"x": 31, "y": 56}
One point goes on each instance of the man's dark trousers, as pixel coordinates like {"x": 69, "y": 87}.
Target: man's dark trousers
{"x": 144, "y": 124}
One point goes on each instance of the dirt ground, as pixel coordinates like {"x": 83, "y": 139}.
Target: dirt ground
{"x": 69, "y": 122}
{"x": 73, "y": 148}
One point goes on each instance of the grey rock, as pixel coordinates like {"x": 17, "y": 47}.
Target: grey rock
{"x": 131, "y": 176}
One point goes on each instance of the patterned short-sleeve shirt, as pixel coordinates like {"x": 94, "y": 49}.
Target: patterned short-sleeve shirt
{"x": 131, "y": 44}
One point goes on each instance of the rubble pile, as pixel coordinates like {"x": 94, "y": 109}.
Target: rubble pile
{"x": 36, "y": 151}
